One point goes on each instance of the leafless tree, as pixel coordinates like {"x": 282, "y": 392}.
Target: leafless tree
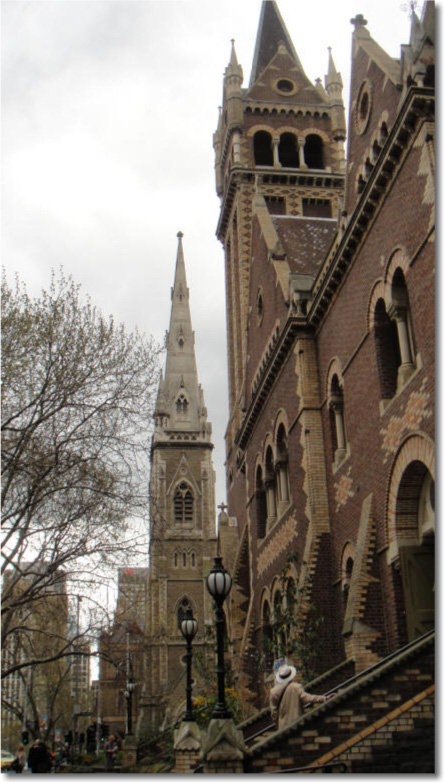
{"x": 77, "y": 402}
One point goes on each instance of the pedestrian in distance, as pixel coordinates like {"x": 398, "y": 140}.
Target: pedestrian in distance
{"x": 19, "y": 762}
{"x": 288, "y": 697}
{"x": 111, "y": 748}
{"x": 39, "y": 758}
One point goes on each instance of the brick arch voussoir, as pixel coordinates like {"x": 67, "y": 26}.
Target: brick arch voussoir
{"x": 398, "y": 260}
{"x": 378, "y": 292}
{"x": 334, "y": 368}
{"x": 417, "y": 447}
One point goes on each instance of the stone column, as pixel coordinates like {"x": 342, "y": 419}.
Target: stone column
{"x": 301, "y": 145}
{"x": 276, "y": 161}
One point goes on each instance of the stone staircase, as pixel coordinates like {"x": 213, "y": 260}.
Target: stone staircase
{"x": 382, "y": 720}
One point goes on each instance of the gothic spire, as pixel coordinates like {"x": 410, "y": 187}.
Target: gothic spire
{"x": 180, "y": 403}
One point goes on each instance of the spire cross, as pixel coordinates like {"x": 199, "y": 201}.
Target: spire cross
{"x": 358, "y": 21}
{"x": 222, "y": 506}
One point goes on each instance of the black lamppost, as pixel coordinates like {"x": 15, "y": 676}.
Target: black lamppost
{"x": 219, "y": 585}
{"x": 188, "y": 629}
{"x": 130, "y": 685}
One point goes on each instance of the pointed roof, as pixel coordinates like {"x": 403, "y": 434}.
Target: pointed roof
{"x": 271, "y": 33}
{"x": 180, "y": 403}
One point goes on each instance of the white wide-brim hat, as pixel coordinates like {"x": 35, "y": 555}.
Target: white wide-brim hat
{"x": 286, "y": 673}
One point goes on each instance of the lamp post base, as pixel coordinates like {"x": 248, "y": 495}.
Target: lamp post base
{"x": 187, "y": 747}
{"x": 224, "y": 748}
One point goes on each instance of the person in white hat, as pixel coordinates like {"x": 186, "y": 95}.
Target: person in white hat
{"x": 288, "y": 697}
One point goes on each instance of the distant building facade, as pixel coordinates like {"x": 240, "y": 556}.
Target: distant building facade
{"x": 329, "y": 264}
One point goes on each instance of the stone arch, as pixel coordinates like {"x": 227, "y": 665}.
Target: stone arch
{"x": 416, "y": 450}
{"x": 398, "y": 259}
{"x": 377, "y": 292}
{"x": 334, "y": 368}
{"x": 312, "y": 130}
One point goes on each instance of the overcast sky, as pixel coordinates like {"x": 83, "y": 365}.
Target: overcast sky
{"x": 108, "y": 112}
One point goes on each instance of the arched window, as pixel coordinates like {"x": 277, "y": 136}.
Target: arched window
{"x": 267, "y": 636}
{"x": 263, "y": 149}
{"x": 270, "y": 487}
{"x": 176, "y": 560}
{"x": 314, "y": 151}
{"x": 387, "y": 351}
{"x": 261, "y": 504}
{"x": 182, "y": 406}
{"x": 400, "y": 313}
{"x": 183, "y": 606}
{"x": 184, "y": 559}
{"x": 193, "y": 560}
{"x": 183, "y": 504}
{"x": 288, "y": 151}
{"x": 337, "y": 420}
{"x": 279, "y": 627}
{"x": 282, "y": 465}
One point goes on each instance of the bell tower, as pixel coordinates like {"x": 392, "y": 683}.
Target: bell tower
{"x": 182, "y": 512}
{"x": 280, "y": 138}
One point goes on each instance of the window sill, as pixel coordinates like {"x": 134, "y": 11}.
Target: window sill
{"x": 385, "y": 404}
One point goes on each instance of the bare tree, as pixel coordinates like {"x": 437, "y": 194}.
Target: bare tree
{"x": 77, "y": 403}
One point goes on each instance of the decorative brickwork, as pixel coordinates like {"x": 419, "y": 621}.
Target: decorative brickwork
{"x": 330, "y": 292}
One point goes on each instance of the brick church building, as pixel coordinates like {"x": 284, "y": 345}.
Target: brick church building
{"x": 328, "y": 238}
{"x": 328, "y": 231}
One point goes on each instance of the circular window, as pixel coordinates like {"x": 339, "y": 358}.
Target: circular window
{"x": 285, "y": 86}
{"x": 363, "y": 108}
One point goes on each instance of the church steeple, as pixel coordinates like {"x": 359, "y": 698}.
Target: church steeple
{"x": 180, "y": 404}
{"x": 271, "y": 34}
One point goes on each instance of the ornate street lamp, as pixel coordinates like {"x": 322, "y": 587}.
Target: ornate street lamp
{"x": 130, "y": 685}
{"x": 188, "y": 629}
{"x": 219, "y": 585}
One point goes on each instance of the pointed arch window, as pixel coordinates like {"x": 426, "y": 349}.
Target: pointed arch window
{"x": 181, "y": 610}
{"x": 183, "y": 504}
{"x": 182, "y": 406}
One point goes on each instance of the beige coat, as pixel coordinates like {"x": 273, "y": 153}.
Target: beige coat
{"x": 287, "y": 700}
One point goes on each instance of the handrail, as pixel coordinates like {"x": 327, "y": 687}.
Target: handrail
{"x": 356, "y": 677}
{"x": 338, "y": 766}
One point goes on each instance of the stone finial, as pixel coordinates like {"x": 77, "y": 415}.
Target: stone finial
{"x": 179, "y": 235}
{"x": 358, "y": 21}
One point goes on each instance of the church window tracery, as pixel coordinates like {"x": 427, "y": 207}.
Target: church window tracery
{"x": 183, "y": 504}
